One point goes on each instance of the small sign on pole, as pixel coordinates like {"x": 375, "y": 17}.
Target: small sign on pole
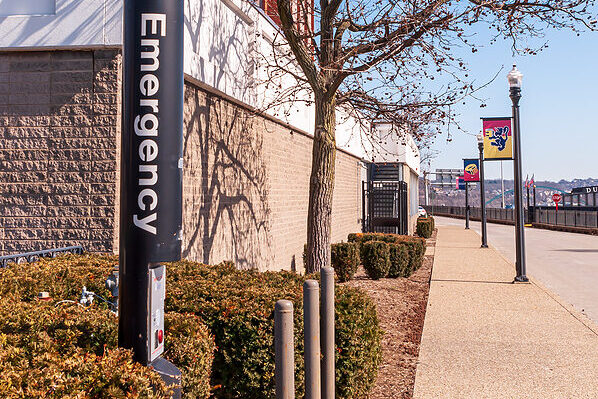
{"x": 556, "y": 197}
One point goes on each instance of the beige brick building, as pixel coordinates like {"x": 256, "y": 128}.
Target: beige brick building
{"x": 246, "y": 174}
{"x": 245, "y": 178}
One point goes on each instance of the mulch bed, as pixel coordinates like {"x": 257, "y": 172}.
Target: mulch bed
{"x": 401, "y": 305}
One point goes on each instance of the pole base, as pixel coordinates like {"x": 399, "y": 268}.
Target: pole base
{"x": 484, "y": 246}
{"x": 521, "y": 279}
{"x": 170, "y": 374}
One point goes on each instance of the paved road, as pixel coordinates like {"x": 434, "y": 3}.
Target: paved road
{"x": 566, "y": 263}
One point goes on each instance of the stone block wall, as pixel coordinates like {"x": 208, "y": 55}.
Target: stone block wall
{"x": 59, "y": 119}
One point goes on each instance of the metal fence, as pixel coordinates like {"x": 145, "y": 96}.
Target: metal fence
{"x": 475, "y": 213}
{"x": 572, "y": 218}
{"x": 33, "y": 256}
{"x": 544, "y": 215}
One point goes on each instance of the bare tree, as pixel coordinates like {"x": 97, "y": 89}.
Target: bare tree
{"x": 379, "y": 57}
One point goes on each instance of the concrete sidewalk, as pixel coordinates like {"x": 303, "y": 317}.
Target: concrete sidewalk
{"x": 487, "y": 338}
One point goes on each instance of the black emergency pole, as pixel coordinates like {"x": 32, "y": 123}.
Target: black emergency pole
{"x": 514, "y": 78}
{"x": 151, "y": 173}
{"x": 467, "y": 205}
{"x": 482, "y": 192}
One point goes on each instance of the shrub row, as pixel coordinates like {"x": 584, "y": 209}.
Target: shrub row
{"x": 425, "y": 226}
{"x": 214, "y": 313}
{"x": 238, "y": 306}
{"x": 68, "y": 351}
{"x": 345, "y": 260}
{"x": 389, "y": 255}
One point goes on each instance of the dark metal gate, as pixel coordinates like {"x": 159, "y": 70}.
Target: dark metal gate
{"x": 384, "y": 207}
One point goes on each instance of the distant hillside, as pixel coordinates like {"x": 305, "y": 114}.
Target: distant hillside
{"x": 453, "y": 197}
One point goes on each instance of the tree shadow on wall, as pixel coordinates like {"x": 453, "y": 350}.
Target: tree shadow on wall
{"x": 226, "y": 213}
{"x": 223, "y": 47}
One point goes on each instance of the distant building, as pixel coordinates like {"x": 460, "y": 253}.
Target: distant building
{"x": 582, "y": 197}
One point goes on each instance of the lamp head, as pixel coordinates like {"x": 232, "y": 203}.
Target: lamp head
{"x": 480, "y": 138}
{"x": 515, "y": 77}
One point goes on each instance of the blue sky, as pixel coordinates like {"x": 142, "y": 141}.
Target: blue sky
{"x": 559, "y": 108}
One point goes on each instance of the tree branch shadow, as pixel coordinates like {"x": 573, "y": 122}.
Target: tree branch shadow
{"x": 226, "y": 214}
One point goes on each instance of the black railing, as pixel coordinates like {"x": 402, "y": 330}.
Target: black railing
{"x": 385, "y": 207}
{"x": 35, "y": 255}
{"x": 564, "y": 216}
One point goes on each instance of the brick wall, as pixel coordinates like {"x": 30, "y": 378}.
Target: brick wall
{"x": 59, "y": 113}
{"x": 246, "y": 184}
{"x": 246, "y": 178}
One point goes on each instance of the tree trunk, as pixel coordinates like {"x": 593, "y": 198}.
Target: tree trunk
{"x": 321, "y": 186}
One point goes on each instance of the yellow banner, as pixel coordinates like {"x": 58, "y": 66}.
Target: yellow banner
{"x": 498, "y": 138}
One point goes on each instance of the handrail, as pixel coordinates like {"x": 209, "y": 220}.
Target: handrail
{"x": 35, "y": 255}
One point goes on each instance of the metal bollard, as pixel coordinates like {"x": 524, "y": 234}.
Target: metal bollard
{"x": 284, "y": 348}
{"x": 311, "y": 314}
{"x": 327, "y": 332}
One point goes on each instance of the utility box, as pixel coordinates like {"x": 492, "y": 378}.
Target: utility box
{"x": 157, "y": 293}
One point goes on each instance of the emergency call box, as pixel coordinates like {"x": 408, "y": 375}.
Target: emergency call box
{"x": 157, "y": 293}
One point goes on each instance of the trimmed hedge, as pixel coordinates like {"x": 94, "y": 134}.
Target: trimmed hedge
{"x": 399, "y": 261}
{"x": 376, "y": 259}
{"x": 71, "y": 332}
{"x": 48, "y": 351}
{"x": 416, "y": 246}
{"x": 190, "y": 347}
{"x": 345, "y": 260}
{"x": 238, "y": 308}
{"x": 425, "y": 227}
{"x": 233, "y": 306}
{"x": 41, "y": 343}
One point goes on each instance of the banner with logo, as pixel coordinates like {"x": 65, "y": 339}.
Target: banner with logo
{"x": 471, "y": 170}
{"x": 498, "y": 138}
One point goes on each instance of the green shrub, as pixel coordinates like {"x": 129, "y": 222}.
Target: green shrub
{"x": 365, "y": 237}
{"x": 425, "y": 227}
{"x": 190, "y": 347}
{"x": 358, "y": 341}
{"x": 399, "y": 260}
{"x": 430, "y": 218}
{"x": 71, "y": 331}
{"x": 345, "y": 260}
{"x": 238, "y": 308}
{"x": 416, "y": 246}
{"x": 376, "y": 259}
{"x": 67, "y": 351}
{"x": 62, "y": 277}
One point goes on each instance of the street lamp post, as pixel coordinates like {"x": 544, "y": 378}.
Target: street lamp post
{"x": 514, "y": 77}
{"x": 467, "y": 205}
{"x": 482, "y": 192}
